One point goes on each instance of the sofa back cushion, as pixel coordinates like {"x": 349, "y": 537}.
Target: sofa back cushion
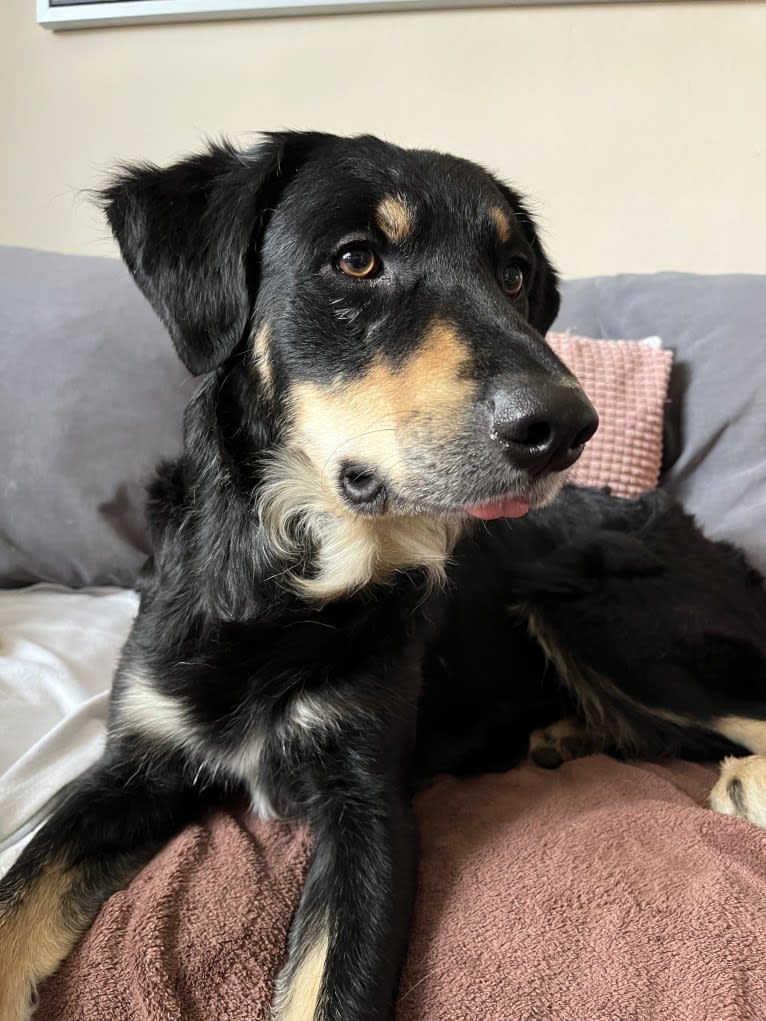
{"x": 91, "y": 396}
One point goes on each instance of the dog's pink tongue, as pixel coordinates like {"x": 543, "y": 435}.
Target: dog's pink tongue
{"x": 499, "y": 509}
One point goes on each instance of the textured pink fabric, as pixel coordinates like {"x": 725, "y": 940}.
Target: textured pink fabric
{"x": 599, "y": 892}
{"x": 628, "y": 384}
{"x": 198, "y": 935}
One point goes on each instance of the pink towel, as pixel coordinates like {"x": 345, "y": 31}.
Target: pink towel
{"x": 627, "y": 381}
{"x": 599, "y": 892}
{"x": 199, "y": 934}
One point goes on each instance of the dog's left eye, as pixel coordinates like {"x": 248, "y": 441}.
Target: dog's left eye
{"x": 512, "y": 279}
{"x": 358, "y": 261}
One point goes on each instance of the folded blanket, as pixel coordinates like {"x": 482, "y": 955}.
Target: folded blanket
{"x": 603, "y": 891}
{"x": 199, "y": 934}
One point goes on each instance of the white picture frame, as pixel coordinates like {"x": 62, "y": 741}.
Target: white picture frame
{"x": 68, "y": 14}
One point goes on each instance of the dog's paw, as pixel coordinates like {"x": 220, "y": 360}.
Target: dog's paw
{"x": 741, "y": 789}
{"x": 563, "y": 740}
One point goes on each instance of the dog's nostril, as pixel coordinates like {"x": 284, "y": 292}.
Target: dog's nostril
{"x": 532, "y": 434}
{"x": 584, "y": 435}
{"x": 361, "y": 485}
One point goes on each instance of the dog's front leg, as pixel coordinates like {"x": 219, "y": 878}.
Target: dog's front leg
{"x": 107, "y": 824}
{"x": 349, "y": 934}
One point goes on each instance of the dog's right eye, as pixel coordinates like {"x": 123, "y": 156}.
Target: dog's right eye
{"x": 358, "y": 261}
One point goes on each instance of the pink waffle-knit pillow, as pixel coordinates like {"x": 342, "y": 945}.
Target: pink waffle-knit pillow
{"x": 627, "y": 381}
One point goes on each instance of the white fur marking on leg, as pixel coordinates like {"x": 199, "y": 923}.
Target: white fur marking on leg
{"x": 297, "y": 998}
{"x": 751, "y": 734}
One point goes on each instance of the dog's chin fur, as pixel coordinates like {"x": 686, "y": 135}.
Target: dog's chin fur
{"x": 332, "y": 551}
{"x": 538, "y": 493}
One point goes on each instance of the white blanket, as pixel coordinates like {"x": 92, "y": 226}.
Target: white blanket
{"x": 58, "y": 651}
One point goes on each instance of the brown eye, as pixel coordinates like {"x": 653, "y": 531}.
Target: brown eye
{"x": 358, "y": 261}
{"x": 512, "y": 279}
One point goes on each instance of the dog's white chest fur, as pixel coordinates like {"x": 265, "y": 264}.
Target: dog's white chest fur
{"x": 165, "y": 720}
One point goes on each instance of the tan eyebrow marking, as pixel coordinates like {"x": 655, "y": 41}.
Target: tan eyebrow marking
{"x": 502, "y": 224}
{"x": 395, "y": 217}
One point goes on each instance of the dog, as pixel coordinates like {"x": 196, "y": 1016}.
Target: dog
{"x": 358, "y": 522}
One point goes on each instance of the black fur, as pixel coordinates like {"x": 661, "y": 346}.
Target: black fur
{"x": 235, "y": 676}
{"x": 635, "y": 595}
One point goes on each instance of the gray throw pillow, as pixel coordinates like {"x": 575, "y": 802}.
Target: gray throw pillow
{"x": 91, "y": 396}
{"x": 715, "y": 326}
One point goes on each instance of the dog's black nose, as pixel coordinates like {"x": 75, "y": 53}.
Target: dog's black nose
{"x": 544, "y": 427}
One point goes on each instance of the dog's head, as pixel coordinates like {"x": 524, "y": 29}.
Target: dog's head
{"x": 388, "y": 306}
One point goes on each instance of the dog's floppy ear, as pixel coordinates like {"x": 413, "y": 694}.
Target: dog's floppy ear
{"x": 187, "y": 233}
{"x": 544, "y": 298}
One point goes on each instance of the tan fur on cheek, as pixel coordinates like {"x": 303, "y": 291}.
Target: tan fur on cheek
{"x": 395, "y": 217}
{"x": 372, "y": 420}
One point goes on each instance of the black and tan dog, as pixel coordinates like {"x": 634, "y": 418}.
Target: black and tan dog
{"x": 369, "y": 322}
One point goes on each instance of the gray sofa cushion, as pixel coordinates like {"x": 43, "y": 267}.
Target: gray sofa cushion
{"x": 91, "y": 395}
{"x": 716, "y": 325}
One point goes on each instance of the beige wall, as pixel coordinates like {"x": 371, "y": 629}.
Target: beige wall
{"x": 640, "y": 130}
